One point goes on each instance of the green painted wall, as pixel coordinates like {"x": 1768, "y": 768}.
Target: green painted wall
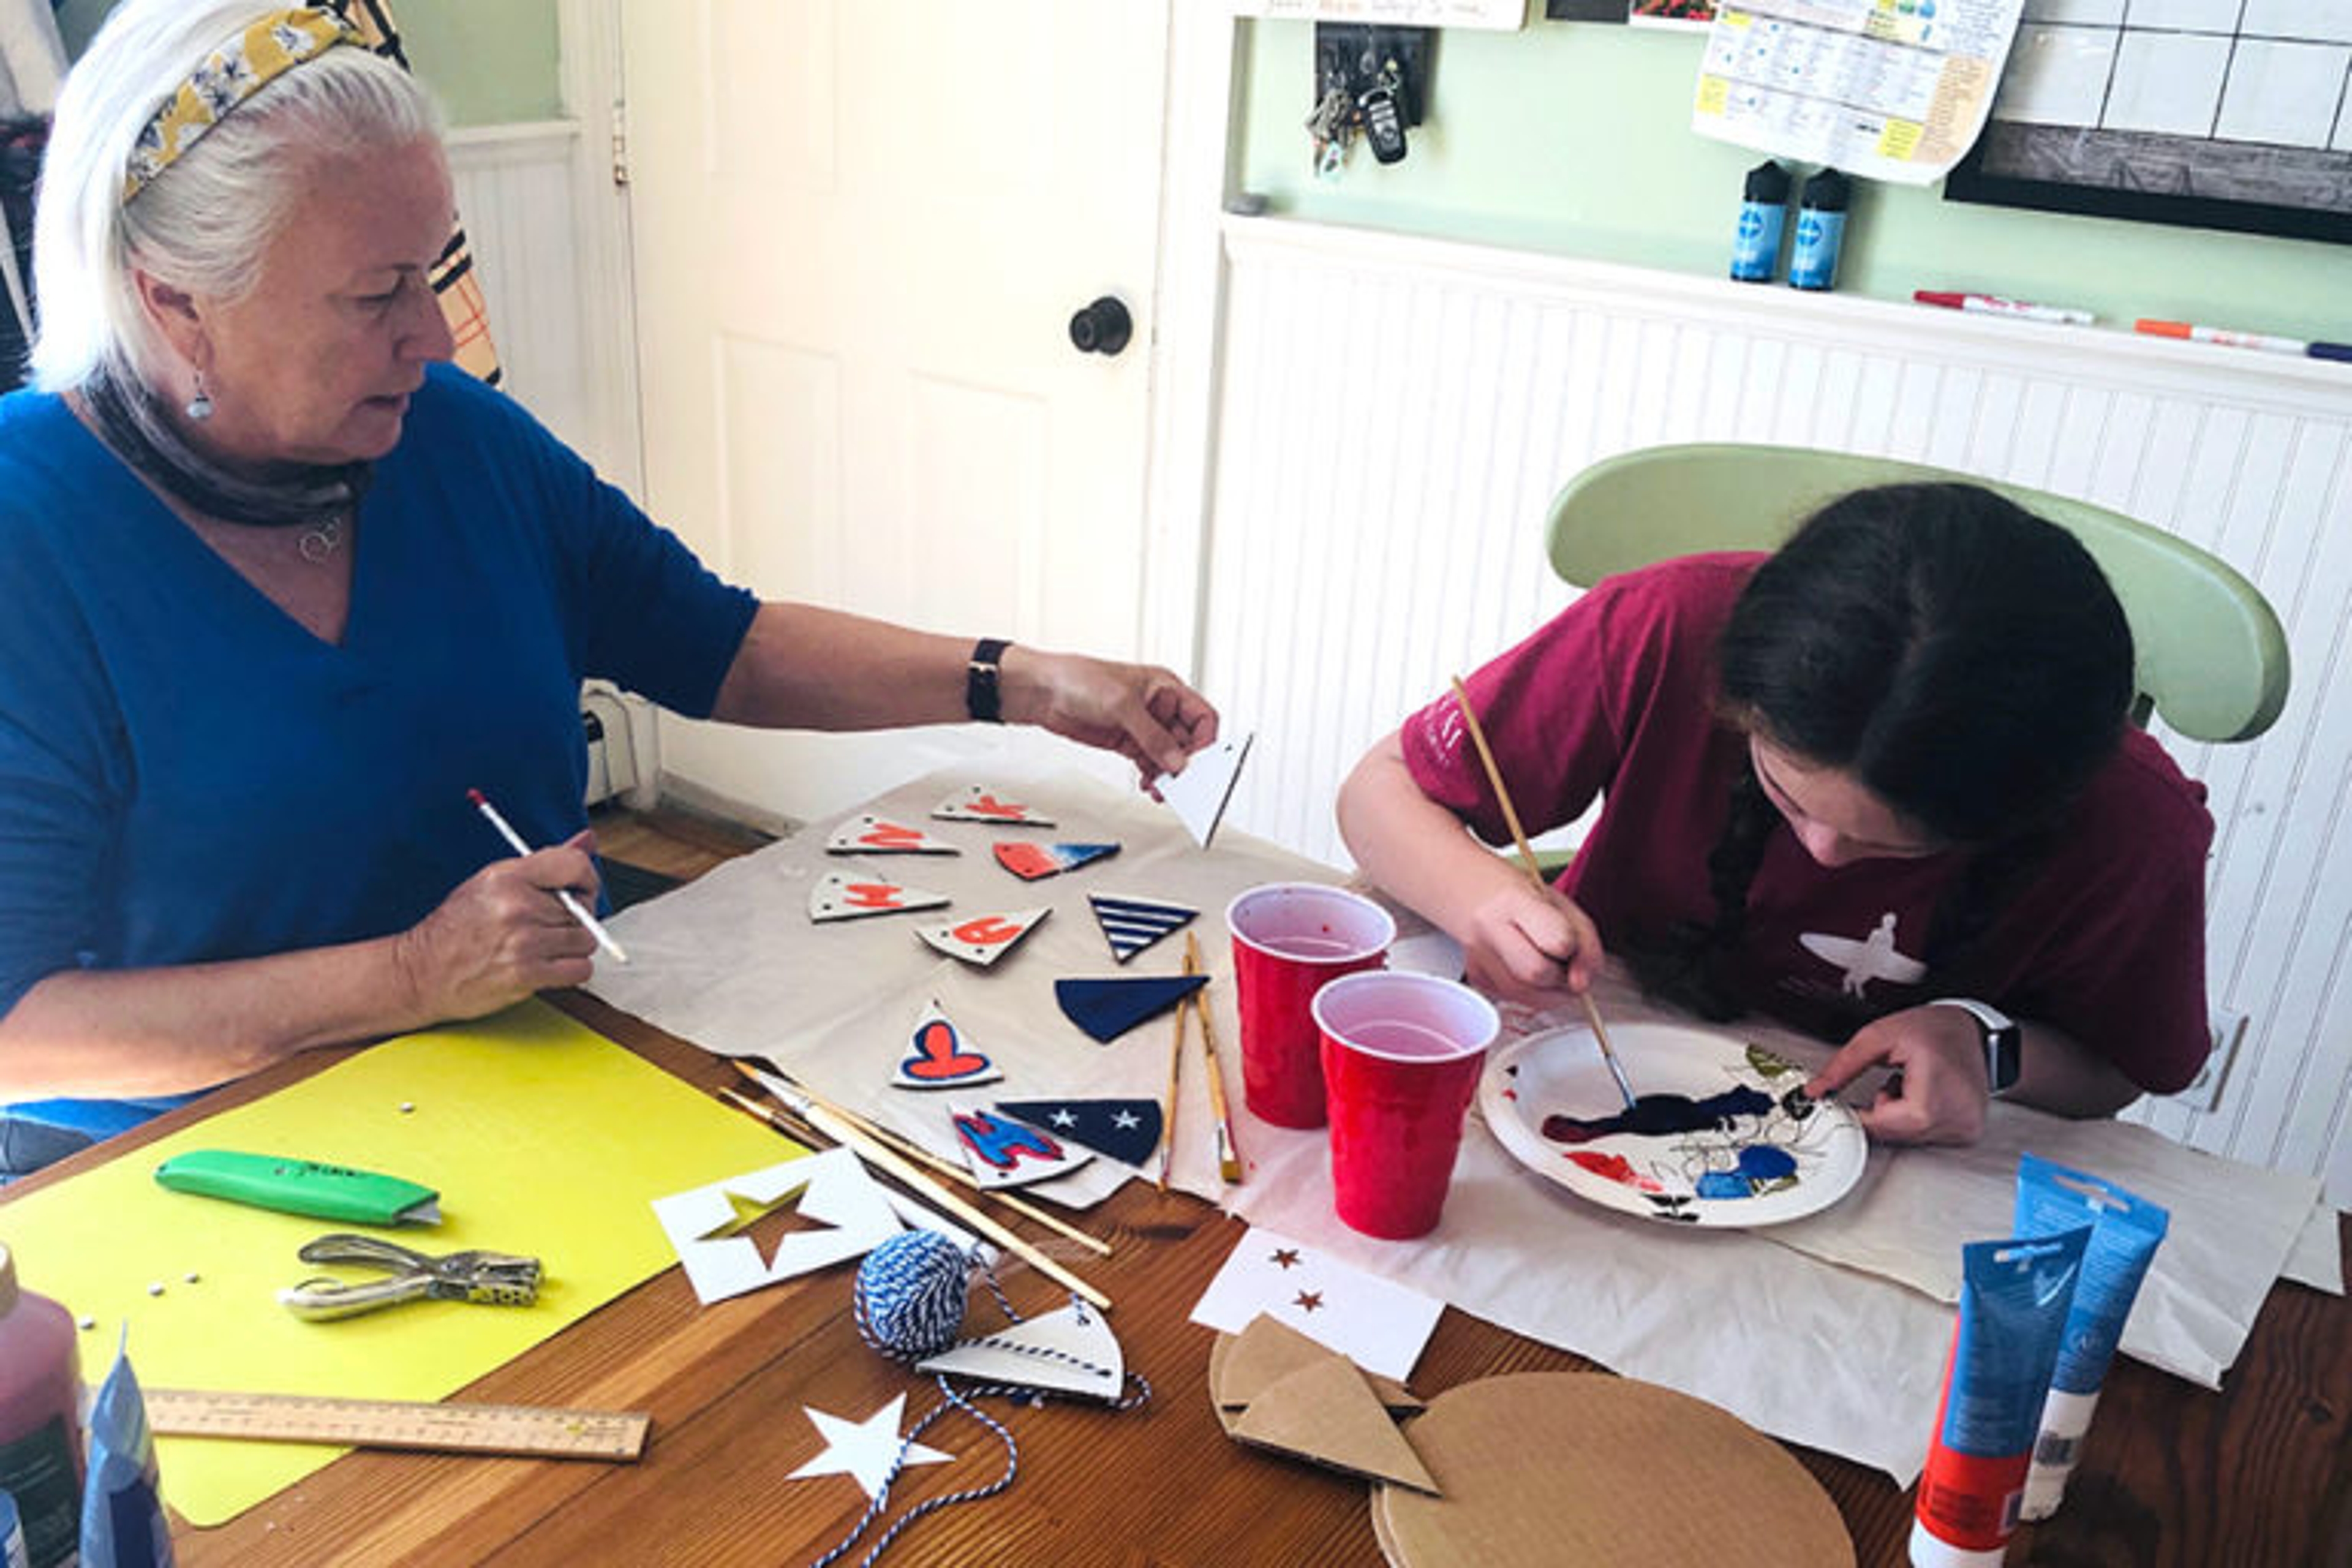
{"x": 491, "y": 61}
{"x": 1576, "y": 139}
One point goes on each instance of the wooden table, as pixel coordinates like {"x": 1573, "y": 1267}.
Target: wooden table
{"x": 2258, "y": 1474}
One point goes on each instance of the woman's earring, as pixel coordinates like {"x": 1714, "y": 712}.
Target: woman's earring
{"x": 200, "y": 406}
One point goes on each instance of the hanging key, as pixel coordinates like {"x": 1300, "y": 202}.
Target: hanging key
{"x": 1382, "y": 116}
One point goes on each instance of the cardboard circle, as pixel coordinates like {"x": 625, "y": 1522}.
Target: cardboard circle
{"x": 1541, "y": 1468}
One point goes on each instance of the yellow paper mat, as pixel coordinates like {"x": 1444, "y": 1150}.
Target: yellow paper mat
{"x": 543, "y": 1137}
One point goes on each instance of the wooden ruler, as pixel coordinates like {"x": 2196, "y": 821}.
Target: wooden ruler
{"x": 538, "y": 1430}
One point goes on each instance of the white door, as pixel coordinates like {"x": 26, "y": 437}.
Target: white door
{"x": 860, "y": 229}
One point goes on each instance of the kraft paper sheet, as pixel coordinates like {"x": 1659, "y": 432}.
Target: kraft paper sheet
{"x": 1848, "y": 1359}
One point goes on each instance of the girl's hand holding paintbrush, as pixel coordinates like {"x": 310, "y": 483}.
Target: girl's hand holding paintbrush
{"x": 1521, "y": 940}
{"x": 1528, "y": 944}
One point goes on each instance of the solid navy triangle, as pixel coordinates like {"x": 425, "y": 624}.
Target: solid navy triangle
{"x": 1126, "y": 1130}
{"x": 1109, "y": 1008}
{"x": 1130, "y": 925}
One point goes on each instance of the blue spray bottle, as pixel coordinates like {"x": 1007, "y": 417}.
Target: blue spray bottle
{"x": 1763, "y": 210}
{"x": 1820, "y": 229}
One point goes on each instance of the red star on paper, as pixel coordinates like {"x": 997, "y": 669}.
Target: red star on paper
{"x": 1284, "y": 1257}
{"x": 1309, "y": 1299}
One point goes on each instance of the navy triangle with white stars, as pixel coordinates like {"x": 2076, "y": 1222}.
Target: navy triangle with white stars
{"x": 1125, "y": 1129}
{"x": 1130, "y": 925}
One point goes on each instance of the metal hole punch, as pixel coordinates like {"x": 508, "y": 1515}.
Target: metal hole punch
{"x": 488, "y": 1279}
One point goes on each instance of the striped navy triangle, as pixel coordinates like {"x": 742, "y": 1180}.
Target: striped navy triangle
{"x": 1130, "y": 925}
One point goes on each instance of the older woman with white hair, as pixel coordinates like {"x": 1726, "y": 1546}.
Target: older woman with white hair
{"x": 282, "y": 588}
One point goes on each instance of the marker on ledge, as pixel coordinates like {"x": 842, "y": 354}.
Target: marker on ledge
{"x": 1994, "y": 305}
{"x": 2227, "y": 339}
{"x": 563, "y": 895}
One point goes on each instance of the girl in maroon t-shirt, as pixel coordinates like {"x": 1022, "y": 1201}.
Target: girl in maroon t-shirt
{"x": 1886, "y": 768}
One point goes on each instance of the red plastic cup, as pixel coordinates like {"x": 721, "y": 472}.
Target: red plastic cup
{"x": 1290, "y": 939}
{"x": 1402, "y": 1056}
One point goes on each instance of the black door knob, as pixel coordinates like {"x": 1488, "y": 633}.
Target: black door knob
{"x": 1102, "y": 328}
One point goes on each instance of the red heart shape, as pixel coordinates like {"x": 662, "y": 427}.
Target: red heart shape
{"x": 940, "y": 1057}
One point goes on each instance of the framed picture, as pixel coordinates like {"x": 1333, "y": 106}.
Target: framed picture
{"x": 2226, "y": 117}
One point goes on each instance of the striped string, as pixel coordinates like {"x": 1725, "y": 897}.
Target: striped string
{"x": 907, "y": 1303}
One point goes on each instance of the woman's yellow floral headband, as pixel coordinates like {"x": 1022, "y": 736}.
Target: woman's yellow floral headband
{"x": 233, "y": 73}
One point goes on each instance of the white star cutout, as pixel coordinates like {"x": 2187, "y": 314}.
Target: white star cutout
{"x": 1066, "y": 1118}
{"x": 865, "y": 1450}
{"x": 1126, "y": 1120}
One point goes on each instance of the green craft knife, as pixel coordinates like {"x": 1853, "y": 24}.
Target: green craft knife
{"x": 301, "y": 1186}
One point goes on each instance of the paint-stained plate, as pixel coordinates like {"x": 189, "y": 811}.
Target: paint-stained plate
{"x": 1733, "y": 1145}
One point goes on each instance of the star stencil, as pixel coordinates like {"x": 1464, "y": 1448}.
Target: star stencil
{"x": 866, "y": 1451}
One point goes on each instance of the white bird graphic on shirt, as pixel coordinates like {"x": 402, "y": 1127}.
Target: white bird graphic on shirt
{"x": 1872, "y": 958}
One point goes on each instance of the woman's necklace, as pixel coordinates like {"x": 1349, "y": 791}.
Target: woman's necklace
{"x": 318, "y": 545}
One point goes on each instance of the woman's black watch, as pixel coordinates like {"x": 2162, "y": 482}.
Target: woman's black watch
{"x": 2004, "y": 1042}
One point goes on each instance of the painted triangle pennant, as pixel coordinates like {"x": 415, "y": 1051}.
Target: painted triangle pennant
{"x": 979, "y": 805}
{"x": 1126, "y": 1130}
{"x": 1109, "y": 1008}
{"x": 1072, "y": 1351}
{"x": 1197, "y": 796}
{"x": 1130, "y": 925}
{"x": 940, "y": 1057}
{"x": 871, "y": 834}
{"x": 984, "y": 939}
{"x": 1031, "y": 861}
{"x": 1003, "y": 1152}
{"x": 839, "y": 897}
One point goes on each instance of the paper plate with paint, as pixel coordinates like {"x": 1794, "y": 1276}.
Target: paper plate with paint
{"x": 1719, "y": 1135}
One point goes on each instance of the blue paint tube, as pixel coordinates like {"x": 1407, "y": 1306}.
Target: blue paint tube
{"x": 2125, "y": 1234}
{"x": 2014, "y": 1297}
{"x": 122, "y": 1523}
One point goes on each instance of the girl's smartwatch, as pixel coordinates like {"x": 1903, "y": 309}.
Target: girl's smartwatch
{"x": 2003, "y": 1041}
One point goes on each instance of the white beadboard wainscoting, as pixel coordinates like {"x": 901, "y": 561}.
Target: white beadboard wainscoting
{"x": 1395, "y": 413}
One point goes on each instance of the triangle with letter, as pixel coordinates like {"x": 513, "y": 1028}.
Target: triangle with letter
{"x": 1003, "y": 1152}
{"x": 871, "y": 834}
{"x": 1109, "y": 1008}
{"x": 840, "y": 896}
{"x": 984, "y": 939}
{"x": 979, "y": 805}
{"x": 1130, "y": 925}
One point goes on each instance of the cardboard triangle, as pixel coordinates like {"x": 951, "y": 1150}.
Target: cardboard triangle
{"x": 1109, "y": 1008}
{"x": 1130, "y": 925}
{"x": 1072, "y": 1349}
{"x": 1199, "y": 795}
{"x": 984, "y": 939}
{"x": 1270, "y": 1349}
{"x": 979, "y": 805}
{"x": 839, "y": 896}
{"x": 939, "y": 1056}
{"x": 1126, "y": 1130}
{"x": 1032, "y": 862}
{"x": 1326, "y": 1412}
{"x": 871, "y": 834}
{"x": 1003, "y": 1152}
